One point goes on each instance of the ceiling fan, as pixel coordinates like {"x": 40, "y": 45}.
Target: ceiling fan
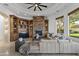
{"x": 36, "y": 5}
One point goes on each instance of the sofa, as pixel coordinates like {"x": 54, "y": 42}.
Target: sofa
{"x": 49, "y": 46}
{"x": 56, "y": 46}
{"x": 59, "y": 46}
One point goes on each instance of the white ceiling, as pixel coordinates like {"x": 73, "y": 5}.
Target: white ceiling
{"x": 20, "y": 9}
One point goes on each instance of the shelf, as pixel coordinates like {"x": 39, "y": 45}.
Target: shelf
{"x": 29, "y": 25}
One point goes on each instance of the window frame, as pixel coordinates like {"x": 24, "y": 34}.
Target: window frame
{"x": 72, "y": 12}
{"x": 58, "y": 18}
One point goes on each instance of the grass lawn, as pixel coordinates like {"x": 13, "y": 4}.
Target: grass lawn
{"x": 74, "y": 35}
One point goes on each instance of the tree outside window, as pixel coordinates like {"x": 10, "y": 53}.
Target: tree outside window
{"x": 74, "y": 24}
{"x": 60, "y": 25}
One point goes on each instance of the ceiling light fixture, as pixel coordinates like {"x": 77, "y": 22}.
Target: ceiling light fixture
{"x": 36, "y": 5}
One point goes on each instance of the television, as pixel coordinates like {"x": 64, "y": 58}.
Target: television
{"x": 39, "y": 32}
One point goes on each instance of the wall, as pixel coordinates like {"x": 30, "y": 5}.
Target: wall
{"x": 1, "y": 27}
{"x": 4, "y": 34}
{"x": 7, "y": 29}
{"x": 4, "y": 27}
{"x": 52, "y": 25}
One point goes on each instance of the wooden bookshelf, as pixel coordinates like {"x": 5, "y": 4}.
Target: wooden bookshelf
{"x": 46, "y": 28}
{"x": 13, "y": 28}
{"x": 29, "y": 25}
{"x": 15, "y": 24}
{"x": 31, "y": 28}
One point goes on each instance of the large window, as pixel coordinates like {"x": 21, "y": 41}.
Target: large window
{"x": 60, "y": 25}
{"x": 74, "y": 24}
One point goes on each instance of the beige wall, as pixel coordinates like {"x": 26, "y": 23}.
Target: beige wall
{"x": 4, "y": 34}
{"x": 4, "y": 27}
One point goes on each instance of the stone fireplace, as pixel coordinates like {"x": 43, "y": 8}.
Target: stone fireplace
{"x": 38, "y": 25}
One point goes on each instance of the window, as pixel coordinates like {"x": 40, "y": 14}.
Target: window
{"x": 60, "y": 25}
{"x": 74, "y": 23}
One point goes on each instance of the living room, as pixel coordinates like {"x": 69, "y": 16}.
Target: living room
{"x": 40, "y": 28}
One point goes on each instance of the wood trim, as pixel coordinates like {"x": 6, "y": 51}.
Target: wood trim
{"x": 73, "y": 11}
{"x": 59, "y": 17}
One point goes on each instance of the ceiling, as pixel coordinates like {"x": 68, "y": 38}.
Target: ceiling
{"x": 20, "y": 9}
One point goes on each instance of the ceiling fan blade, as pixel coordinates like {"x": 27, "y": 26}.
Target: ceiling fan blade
{"x": 40, "y": 8}
{"x": 29, "y": 3}
{"x": 29, "y": 7}
{"x": 35, "y": 8}
{"x": 43, "y": 6}
{"x": 38, "y": 3}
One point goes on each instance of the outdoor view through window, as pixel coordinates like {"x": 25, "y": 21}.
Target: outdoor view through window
{"x": 60, "y": 25}
{"x": 74, "y": 24}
